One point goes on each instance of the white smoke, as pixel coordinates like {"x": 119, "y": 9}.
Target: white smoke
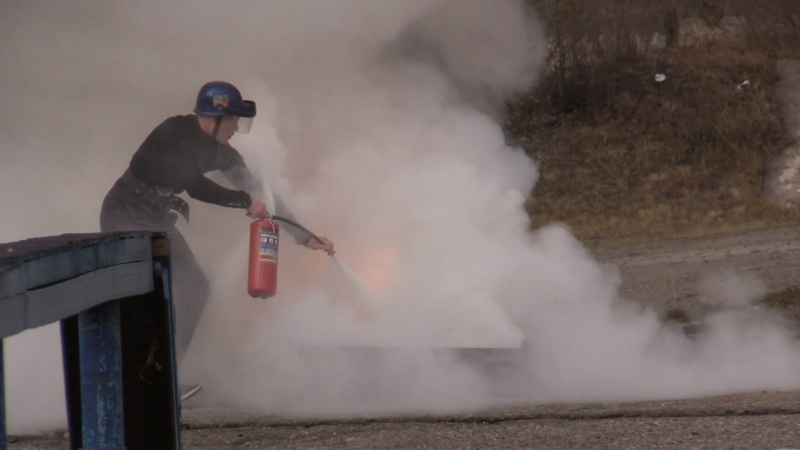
{"x": 378, "y": 124}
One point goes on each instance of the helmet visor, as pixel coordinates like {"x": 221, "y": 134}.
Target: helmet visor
{"x": 246, "y": 109}
{"x": 243, "y": 124}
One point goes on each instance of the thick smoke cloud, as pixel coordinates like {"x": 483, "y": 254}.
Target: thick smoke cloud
{"x": 378, "y": 124}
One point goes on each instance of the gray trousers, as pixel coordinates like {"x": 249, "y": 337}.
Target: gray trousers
{"x": 125, "y": 210}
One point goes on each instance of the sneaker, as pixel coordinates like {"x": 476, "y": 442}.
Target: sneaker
{"x": 189, "y": 390}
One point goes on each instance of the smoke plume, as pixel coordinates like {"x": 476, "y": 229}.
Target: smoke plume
{"x": 378, "y": 125}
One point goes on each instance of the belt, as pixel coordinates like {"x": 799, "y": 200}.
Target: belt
{"x": 161, "y": 197}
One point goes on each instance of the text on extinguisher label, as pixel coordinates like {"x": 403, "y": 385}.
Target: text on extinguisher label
{"x": 268, "y": 245}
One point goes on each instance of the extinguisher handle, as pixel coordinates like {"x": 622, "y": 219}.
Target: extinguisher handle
{"x": 256, "y": 216}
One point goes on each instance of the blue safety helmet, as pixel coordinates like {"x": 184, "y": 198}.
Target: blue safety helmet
{"x": 219, "y": 98}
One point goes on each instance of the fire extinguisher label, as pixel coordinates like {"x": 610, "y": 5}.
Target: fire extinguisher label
{"x": 268, "y": 245}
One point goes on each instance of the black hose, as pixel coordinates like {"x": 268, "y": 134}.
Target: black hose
{"x": 295, "y": 224}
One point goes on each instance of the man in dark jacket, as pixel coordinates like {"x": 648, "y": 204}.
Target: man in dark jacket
{"x": 174, "y": 158}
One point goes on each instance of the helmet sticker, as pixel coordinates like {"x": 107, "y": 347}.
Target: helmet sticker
{"x": 221, "y": 100}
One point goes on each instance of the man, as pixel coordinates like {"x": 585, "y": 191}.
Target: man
{"x": 175, "y": 158}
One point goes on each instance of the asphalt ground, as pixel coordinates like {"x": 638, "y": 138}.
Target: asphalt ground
{"x": 755, "y": 420}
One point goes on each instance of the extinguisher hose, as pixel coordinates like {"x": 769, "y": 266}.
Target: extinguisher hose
{"x": 297, "y": 225}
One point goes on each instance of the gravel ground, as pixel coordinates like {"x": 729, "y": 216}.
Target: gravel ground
{"x": 768, "y": 420}
{"x": 663, "y": 274}
{"x": 760, "y": 420}
{"x": 668, "y": 425}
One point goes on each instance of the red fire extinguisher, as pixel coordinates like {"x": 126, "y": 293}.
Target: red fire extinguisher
{"x": 262, "y": 276}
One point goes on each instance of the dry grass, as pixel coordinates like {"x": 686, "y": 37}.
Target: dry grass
{"x": 625, "y": 158}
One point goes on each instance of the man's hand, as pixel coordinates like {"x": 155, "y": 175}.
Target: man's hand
{"x": 257, "y": 209}
{"x": 325, "y": 245}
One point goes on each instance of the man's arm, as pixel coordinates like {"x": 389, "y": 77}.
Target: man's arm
{"x": 208, "y": 191}
{"x": 203, "y": 189}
